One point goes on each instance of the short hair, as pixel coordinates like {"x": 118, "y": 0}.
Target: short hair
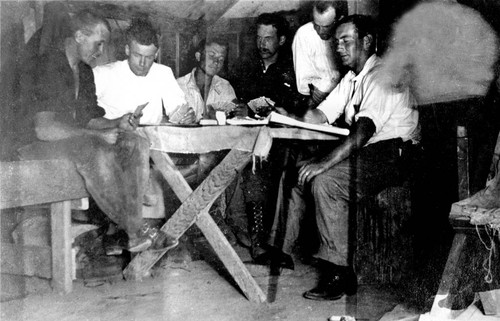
{"x": 85, "y": 20}
{"x": 142, "y": 31}
{"x": 275, "y": 20}
{"x": 340, "y": 6}
{"x": 365, "y": 25}
{"x": 210, "y": 40}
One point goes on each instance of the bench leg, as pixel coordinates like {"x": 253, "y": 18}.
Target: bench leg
{"x": 60, "y": 217}
{"x": 450, "y": 273}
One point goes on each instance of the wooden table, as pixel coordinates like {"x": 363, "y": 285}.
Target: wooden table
{"x": 243, "y": 143}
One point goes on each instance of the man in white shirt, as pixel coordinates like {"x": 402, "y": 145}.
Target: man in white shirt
{"x": 315, "y": 68}
{"x": 383, "y": 124}
{"x": 122, "y": 86}
{"x": 205, "y": 91}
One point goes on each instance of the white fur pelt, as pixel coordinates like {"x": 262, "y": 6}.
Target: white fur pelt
{"x": 443, "y": 51}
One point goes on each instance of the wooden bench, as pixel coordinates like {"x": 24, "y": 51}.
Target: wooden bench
{"x": 53, "y": 182}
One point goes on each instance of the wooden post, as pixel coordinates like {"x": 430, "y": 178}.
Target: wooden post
{"x": 60, "y": 216}
{"x": 463, "y": 162}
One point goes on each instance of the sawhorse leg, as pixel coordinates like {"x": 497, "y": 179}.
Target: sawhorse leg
{"x": 194, "y": 209}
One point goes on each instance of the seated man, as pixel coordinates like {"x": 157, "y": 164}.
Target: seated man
{"x": 268, "y": 74}
{"x": 205, "y": 90}
{"x": 68, "y": 124}
{"x": 122, "y": 86}
{"x": 138, "y": 83}
{"x": 383, "y": 123}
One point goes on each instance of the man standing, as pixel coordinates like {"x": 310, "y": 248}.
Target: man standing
{"x": 122, "y": 86}
{"x": 68, "y": 124}
{"x": 383, "y": 124}
{"x": 315, "y": 68}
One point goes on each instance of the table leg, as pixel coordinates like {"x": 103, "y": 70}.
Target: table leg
{"x": 194, "y": 209}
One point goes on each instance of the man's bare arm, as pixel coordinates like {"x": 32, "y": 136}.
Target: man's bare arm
{"x": 361, "y": 133}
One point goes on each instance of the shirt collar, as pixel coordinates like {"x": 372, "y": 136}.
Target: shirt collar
{"x": 192, "y": 81}
{"x": 369, "y": 65}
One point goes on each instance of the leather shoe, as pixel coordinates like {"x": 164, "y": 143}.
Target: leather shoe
{"x": 334, "y": 286}
{"x": 275, "y": 259}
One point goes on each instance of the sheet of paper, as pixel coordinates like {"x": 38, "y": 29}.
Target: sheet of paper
{"x": 274, "y": 117}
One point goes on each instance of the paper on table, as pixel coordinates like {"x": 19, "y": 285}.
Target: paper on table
{"x": 274, "y": 117}
{"x": 247, "y": 121}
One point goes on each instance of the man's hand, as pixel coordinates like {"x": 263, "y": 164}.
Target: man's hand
{"x": 310, "y": 170}
{"x": 189, "y": 117}
{"x": 110, "y": 135}
{"x": 129, "y": 122}
{"x": 240, "y": 110}
{"x": 209, "y": 112}
{"x": 317, "y": 96}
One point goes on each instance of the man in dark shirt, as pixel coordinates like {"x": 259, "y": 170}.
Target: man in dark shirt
{"x": 61, "y": 107}
{"x": 271, "y": 73}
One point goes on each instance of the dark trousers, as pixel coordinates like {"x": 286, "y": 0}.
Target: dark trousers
{"x": 115, "y": 176}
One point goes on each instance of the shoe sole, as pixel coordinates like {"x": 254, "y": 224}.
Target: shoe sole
{"x": 141, "y": 247}
{"x": 114, "y": 251}
{"x": 324, "y": 298}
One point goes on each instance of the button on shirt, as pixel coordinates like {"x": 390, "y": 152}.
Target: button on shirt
{"x": 220, "y": 95}
{"x": 119, "y": 91}
{"x": 363, "y": 95}
{"x": 313, "y": 61}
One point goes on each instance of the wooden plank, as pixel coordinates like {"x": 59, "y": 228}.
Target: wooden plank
{"x": 36, "y": 182}
{"x": 60, "y": 217}
{"x": 194, "y": 207}
{"x": 26, "y": 260}
{"x": 449, "y": 275}
{"x": 230, "y": 258}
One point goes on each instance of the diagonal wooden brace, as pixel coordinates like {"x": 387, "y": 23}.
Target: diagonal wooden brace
{"x": 194, "y": 209}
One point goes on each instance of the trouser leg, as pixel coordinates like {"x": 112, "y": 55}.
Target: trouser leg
{"x": 114, "y": 175}
{"x": 337, "y": 191}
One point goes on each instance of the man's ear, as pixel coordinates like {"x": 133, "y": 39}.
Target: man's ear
{"x": 127, "y": 50}
{"x": 282, "y": 40}
{"x": 79, "y": 36}
{"x": 367, "y": 41}
{"x": 197, "y": 55}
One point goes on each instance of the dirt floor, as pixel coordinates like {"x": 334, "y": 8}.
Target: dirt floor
{"x": 181, "y": 289}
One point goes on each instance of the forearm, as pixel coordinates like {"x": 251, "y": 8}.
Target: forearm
{"x": 58, "y": 131}
{"x": 314, "y": 116}
{"x": 361, "y": 134}
{"x": 103, "y": 123}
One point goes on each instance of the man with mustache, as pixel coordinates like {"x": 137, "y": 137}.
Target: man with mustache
{"x": 269, "y": 73}
{"x": 68, "y": 124}
{"x": 315, "y": 67}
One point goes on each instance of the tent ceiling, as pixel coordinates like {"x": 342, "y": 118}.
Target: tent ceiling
{"x": 208, "y": 10}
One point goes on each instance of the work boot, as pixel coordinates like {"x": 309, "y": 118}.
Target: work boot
{"x": 334, "y": 282}
{"x": 255, "y": 214}
{"x": 149, "y": 237}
